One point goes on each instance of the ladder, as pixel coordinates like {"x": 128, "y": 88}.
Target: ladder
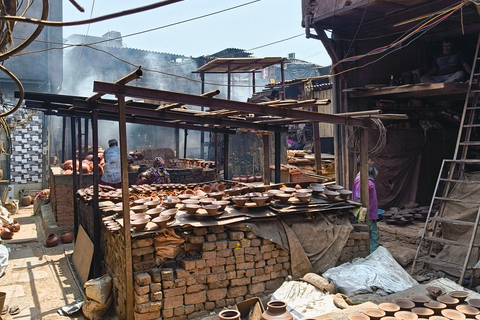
{"x": 451, "y": 177}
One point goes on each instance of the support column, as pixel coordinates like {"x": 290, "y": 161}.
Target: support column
{"x": 266, "y": 159}
{"x": 97, "y": 220}
{"x": 278, "y": 147}
{"x": 122, "y": 119}
{"x": 225, "y": 155}
{"x": 364, "y": 196}
{"x": 74, "y": 175}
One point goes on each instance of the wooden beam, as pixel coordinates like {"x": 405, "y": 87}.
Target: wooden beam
{"x": 225, "y": 104}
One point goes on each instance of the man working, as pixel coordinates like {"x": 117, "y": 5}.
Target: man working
{"x": 448, "y": 67}
{"x": 372, "y": 202}
{"x": 112, "y": 171}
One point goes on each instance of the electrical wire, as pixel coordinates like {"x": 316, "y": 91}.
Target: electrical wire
{"x": 353, "y": 141}
{"x": 425, "y": 26}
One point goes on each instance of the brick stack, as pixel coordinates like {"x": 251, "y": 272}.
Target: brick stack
{"x": 356, "y": 247}
{"x": 61, "y": 197}
{"x": 216, "y": 267}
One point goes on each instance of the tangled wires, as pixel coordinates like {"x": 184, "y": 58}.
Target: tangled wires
{"x": 353, "y": 141}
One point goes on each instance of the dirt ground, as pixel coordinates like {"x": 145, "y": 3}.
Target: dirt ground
{"x": 38, "y": 278}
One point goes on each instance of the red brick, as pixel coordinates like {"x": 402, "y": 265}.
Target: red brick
{"x": 139, "y": 299}
{"x": 219, "y": 284}
{"x": 216, "y": 294}
{"x": 179, "y": 312}
{"x": 174, "y": 292}
{"x": 256, "y": 288}
{"x": 221, "y": 245}
{"x": 236, "y": 235}
{"x": 143, "y": 279}
{"x": 194, "y": 298}
{"x": 196, "y": 288}
{"x": 208, "y": 246}
{"x": 173, "y": 302}
{"x": 141, "y": 290}
{"x": 156, "y": 296}
{"x": 237, "y": 292}
{"x": 189, "y": 308}
{"x": 147, "y": 316}
{"x": 239, "y": 282}
{"x": 209, "y": 255}
{"x": 209, "y": 305}
{"x": 148, "y": 307}
{"x": 167, "y": 313}
{"x": 261, "y": 278}
{"x": 211, "y": 278}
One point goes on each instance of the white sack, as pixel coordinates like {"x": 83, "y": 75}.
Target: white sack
{"x": 304, "y": 300}
{"x": 378, "y": 273}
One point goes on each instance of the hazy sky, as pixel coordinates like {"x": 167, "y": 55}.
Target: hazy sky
{"x": 253, "y": 25}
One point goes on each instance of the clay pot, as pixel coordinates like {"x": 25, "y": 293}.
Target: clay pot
{"x": 243, "y": 178}
{"x": 52, "y": 239}
{"x": 277, "y": 310}
{"x": 258, "y": 177}
{"x": 229, "y": 315}
{"x": 235, "y": 178}
{"x": 250, "y": 178}
{"x": 66, "y": 236}
{"x": 6, "y": 233}
{"x": 26, "y": 200}
{"x": 15, "y": 226}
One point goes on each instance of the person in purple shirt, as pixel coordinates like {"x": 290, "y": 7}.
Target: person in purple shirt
{"x": 372, "y": 202}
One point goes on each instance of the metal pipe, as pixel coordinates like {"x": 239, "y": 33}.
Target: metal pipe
{"x": 130, "y": 77}
{"x": 185, "y": 144}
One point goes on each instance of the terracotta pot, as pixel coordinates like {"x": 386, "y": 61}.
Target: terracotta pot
{"x": 15, "y": 226}
{"x": 250, "y": 178}
{"x": 235, "y": 178}
{"x": 258, "y": 177}
{"x": 67, "y": 236}
{"x": 26, "y": 200}
{"x": 277, "y": 310}
{"x": 6, "y": 233}
{"x": 243, "y": 178}
{"x": 52, "y": 239}
{"x": 229, "y": 315}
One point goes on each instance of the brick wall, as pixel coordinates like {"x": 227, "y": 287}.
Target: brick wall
{"x": 216, "y": 267}
{"x": 356, "y": 247}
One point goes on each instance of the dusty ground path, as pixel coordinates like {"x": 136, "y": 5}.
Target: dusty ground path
{"x": 38, "y": 279}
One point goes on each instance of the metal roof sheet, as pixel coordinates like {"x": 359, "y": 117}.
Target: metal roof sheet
{"x": 238, "y": 64}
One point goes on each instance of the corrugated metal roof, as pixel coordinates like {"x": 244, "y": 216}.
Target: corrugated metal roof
{"x": 238, "y": 64}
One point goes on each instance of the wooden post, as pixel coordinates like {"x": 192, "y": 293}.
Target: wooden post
{"x": 177, "y": 142}
{"x": 216, "y": 153}
{"x": 317, "y": 145}
{"x": 364, "y": 195}
{"x": 74, "y": 175}
{"x": 80, "y": 157}
{"x": 64, "y": 127}
{"x": 185, "y": 140}
{"x": 126, "y": 208}
{"x": 278, "y": 147}
{"x": 97, "y": 220}
{"x": 266, "y": 159}
{"x": 225, "y": 155}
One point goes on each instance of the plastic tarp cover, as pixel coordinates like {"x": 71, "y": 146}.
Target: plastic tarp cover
{"x": 304, "y": 300}
{"x": 3, "y": 259}
{"x": 377, "y": 273}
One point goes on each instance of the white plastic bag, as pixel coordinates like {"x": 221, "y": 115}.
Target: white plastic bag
{"x": 3, "y": 259}
{"x": 378, "y": 273}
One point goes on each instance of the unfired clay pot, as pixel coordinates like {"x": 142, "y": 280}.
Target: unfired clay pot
{"x": 52, "y": 240}
{"x": 277, "y": 310}
{"x": 26, "y": 200}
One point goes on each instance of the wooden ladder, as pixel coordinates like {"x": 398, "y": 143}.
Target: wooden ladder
{"x": 450, "y": 175}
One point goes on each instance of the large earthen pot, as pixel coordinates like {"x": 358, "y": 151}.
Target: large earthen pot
{"x": 52, "y": 240}
{"x": 26, "y": 200}
{"x": 15, "y": 226}
{"x": 67, "y": 236}
{"x": 277, "y": 310}
{"x": 6, "y": 233}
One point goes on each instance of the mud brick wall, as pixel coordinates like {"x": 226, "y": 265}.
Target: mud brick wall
{"x": 216, "y": 267}
{"x": 356, "y": 247}
{"x": 191, "y": 175}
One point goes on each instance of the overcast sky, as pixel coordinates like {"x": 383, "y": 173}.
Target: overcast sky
{"x": 253, "y": 25}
